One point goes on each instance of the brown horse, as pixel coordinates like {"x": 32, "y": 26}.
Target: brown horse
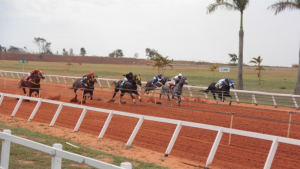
{"x": 33, "y": 85}
{"x": 87, "y": 88}
{"x": 150, "y": 87}
{"x": 129, "y": 87}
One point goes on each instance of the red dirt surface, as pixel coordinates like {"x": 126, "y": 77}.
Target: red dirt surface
{"x": 192, "y": 143}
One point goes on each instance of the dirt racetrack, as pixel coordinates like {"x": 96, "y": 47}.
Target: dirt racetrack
{"x": 192, "y": 144}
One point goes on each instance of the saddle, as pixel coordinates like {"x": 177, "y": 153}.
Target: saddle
{"x": 123, "y": 84}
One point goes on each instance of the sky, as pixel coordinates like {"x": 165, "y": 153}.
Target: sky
{"x": 180, "y": 29}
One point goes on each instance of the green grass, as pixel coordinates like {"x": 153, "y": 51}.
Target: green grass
{"x": 25, "y": 158}
{"x": 276, "y": 81}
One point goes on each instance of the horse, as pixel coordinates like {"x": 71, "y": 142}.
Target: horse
{"x": 129, "y": 87}
{"x": 223, "y": 91}
{"x": 149, "y": 85}
{"x": 87, "y": 87}
{"x": 176, "y": 91}
{"x": 33, "y": 85}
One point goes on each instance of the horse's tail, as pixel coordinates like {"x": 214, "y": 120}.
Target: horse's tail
{"x": 114, "y": 83}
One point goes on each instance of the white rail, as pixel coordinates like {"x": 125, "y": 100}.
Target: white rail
{"x": 179, "y": 124}
{"x": 56, "y": 152}
{"x": 189, "y": 88}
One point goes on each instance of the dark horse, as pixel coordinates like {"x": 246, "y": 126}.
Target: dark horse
{"x": 87, "y": 88}
{"x": 176, "y": 91}
{"x": 223, "y": 92}
{"x": 129, "y": 87}
{"x": 149, "y": 85}
{"x": 33, "y": 85}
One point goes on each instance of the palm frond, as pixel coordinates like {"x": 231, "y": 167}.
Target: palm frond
{"x": 283, "y": 5}
{"x": 222, "y": 4}
{"x": 241, "y": 4}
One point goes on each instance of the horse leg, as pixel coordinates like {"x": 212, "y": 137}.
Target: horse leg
{"x": 91, "y": 95}
{"x": 159, "y": 97}
{"x": 75, "y": 94}
{"x": 132, "y": 97}
{"x": 136, "y": 93}
{"x": 24, "y": 90}
{"x": 167, "y": 95}
{"x": 230, "y": 99}
{"x": 179, "y": 99}
{"x": 30, "y": 92}
{"x": 116, "y": 90}
{"x": 214, "y": 94}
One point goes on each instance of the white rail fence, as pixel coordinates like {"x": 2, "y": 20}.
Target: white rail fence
{"x": 275, "y": 139}
{"x": 191, "y": 89}
{"x": 56, "y": 152}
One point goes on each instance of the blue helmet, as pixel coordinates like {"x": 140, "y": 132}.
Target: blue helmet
{"x": 226, "y": 78}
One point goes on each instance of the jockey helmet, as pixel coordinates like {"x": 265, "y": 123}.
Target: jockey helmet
{"x": 88, "y": 75}
{"x": 37, "y": 69}
{"x": 179, "y": 74}
{"x": 92, "y": 72}
{"x": 41, "y": 72}
{"x": 226, "y": 78}
{"x": 160, "y": 74}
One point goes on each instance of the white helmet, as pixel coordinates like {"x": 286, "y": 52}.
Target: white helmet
{"x": 179, "y": 74}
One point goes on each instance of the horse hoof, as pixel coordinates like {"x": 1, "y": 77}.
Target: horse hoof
{"x": 230, "y": 103}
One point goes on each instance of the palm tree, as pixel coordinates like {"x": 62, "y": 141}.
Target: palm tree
{"x": 161, "y": 63}
{"x": 258, "y": 61}
{"x": 291, "y": 5}
{"x": 237, "y": 5}
{"x": 212, "y": 69}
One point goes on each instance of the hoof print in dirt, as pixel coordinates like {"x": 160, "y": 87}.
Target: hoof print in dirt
{"x": 123, "y": 102}
{"x": 158, "y": 102}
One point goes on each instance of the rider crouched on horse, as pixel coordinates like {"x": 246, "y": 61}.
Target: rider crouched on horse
{"x": 87, "y": 76}
{"x": 156, "y": 79}
{"x": 128, "y": 77}
{"x": 221, "y": 83}
{"x": 31, "y": 74}
{"x": 175, "y": 80}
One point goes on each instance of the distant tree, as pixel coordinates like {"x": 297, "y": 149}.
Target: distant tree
{"x": 136, "y": 55}
{"x": 71, "y": 52}
{"x": 82, "y": 52}
{"x": 69, "y": 64}
{"x": 280, "y": 6}
{"x": 43, "y": 45}
{"x": 0, "y": 48}
{"x": 116, "y": 53}
{"x": 161, "y": 63}
{"x": 25, "y": 49}
{"x": 57, "y": 52}
{"x": 13, "y": 49}
{"x": 151, "y": 53}
{"x": 64, "y": 52}
{"x": 212, "y": 68}
{"x": 257, "y": 61}
{"x": 233, "y": 57}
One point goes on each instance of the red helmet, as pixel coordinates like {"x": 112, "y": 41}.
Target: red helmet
{"x": 92, "y": 72}
{"x": 37, "y": 69}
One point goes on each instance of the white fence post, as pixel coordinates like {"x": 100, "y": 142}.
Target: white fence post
{"x": 274, "y": 101}
{"x": 57, "y": 79}
{"x": 12, "y": 75}
{"x": 191, "y": 94}
{"x": 56, "y": 161}
{"x": 80, "y": 119}
{"x": 295, "y": 102}
{"x": 35, "y": 110}
{"x": 126, "y": 165}
{"x": 99, "y": 83}
{"x": 254, "y": 99}
{"x": 1, "y": 99}
{"x": 5, "y": 152}
{"x": 236, "y": 97}
{"x": 50, "y": 79}
{"x": 133, "y": 134}
{"x": 56, "y": 114}
{"x": 271, "y": 154}
{"x": 18, "y": 76}
{"x": 173, "y": 139}
{"x": 214, "y": 148}
{"x": 17, "y": 107}
{"x": 105, "y": 125}
{"x": 108, "y": 83}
